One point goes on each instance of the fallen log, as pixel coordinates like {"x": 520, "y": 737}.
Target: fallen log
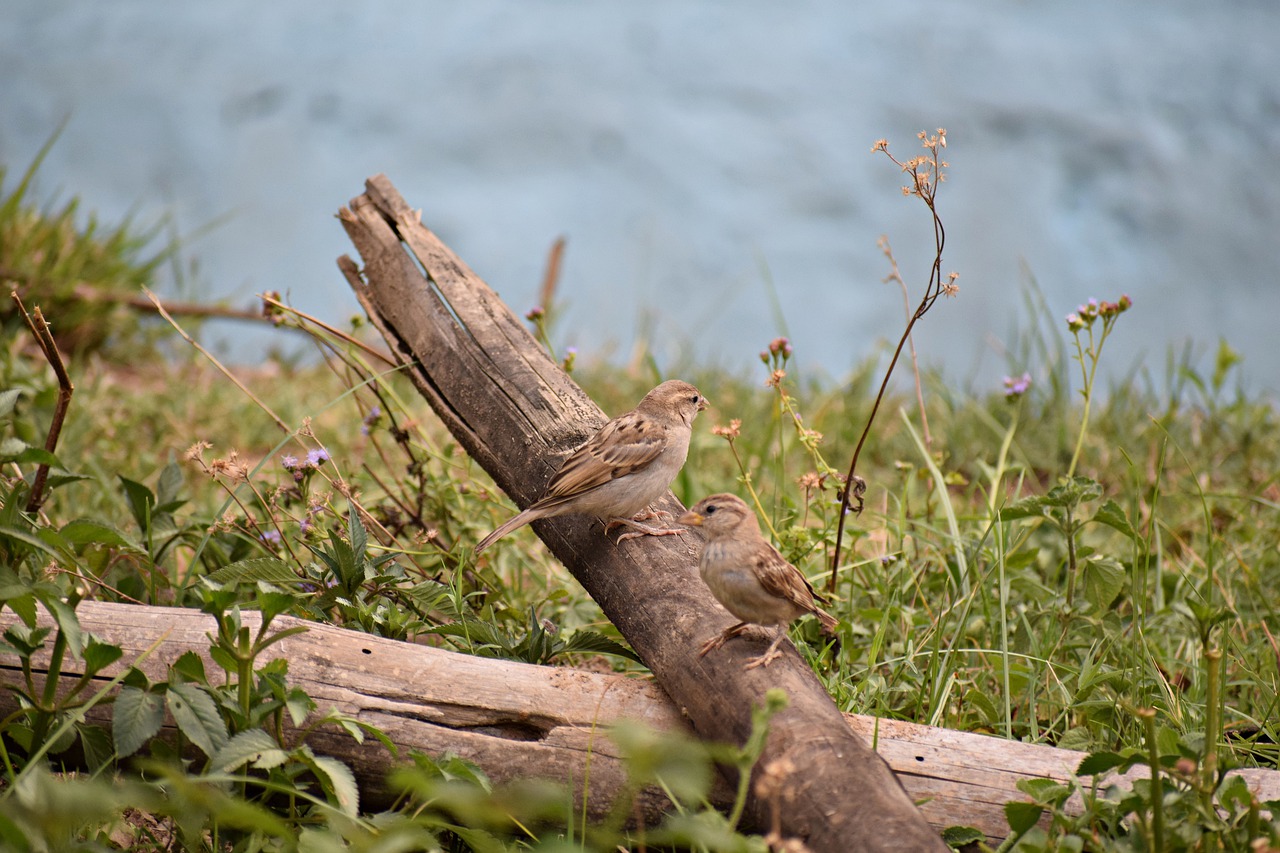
{"x": 518, "y": 414}
{"x": 519, "y": 721}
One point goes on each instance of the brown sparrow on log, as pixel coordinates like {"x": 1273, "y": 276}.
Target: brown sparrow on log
{"x": 627, "y": 465}
{"x": 748, "y": 576}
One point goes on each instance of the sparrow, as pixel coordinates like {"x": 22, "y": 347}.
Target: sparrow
{"x": 748, "y": 576}
{"x": 623, "y": 468}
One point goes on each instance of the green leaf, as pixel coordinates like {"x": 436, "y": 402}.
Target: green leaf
{"x": 97, "y": 746}
{"x": 1102, "y": 762}
{"x": 299, "y": 705}
{"x": 1044, "y": 790}
{"x": 141, "y": 501}
{"x": 17, "y": 450}
{"x": 8, "y": 400}
{"x": 98, "y": 655}
{"x": 593, "y": 642}
{"x": 980, "y": 700}
{"x": 958, "y": 836}
{"x": 1032, "y": 507}
{"x": 197, "y": 717}
{"x": 356, "y": 532}
{"x": 88, "y": 532}
{"x": 167, "y": 487}
{"x": 135, "y": 718}
{"x": 190, "y": 666}
{"x": 269, "y": 569}
{"x": 24, "y": 605}
{"x": 1103, "y": 580}
{"x": 1022, "y": 816}
{"x": 68, "y": 624}
{"x": 253, "y": 746}
{"x": 271, "y": 604}
{"x": 1114, "y": 517}
{"x": 339, "y": 783}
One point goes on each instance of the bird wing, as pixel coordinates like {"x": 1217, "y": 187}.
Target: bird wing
{"x": 623, "y": 446}
{"x": 781, "y": 579}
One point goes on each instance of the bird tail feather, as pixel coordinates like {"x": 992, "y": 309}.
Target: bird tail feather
{"x": 519, "y": 520}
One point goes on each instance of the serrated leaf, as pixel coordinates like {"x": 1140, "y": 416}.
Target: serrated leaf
{"x": 253, "y": 746}
{"x": 959, "y": 836}
{"x": 24, "y": 605}
{"x": 597, "y": 643}
{"x": 8, "y": 400}
{"x": 269, "y": 569}
{"x": 97, "y": 746}
{"x": 11, "y": 448}
{"x": 1022, "y": 816}
{"x": 980, "y": 700}
{"x": 271, "y": 604}
{"x": 68, "y": 624}
{"x": 356, "y": 532}
{"x": 1102, "y": 762}
{"x": 25, "y": 454}
{"x": 85, "y": 531}
{"x": 98, "y": 655}
{"x": 1043, "y": 790}
{"x": 299, "y": 705}
{"x": 338, "y": 782}
{"x": 1032, "y": 507}
{"x": 60, "y": 478}
{"x": 1114, "y": 517}
{"x": 197, "y": 717}
{"x": 1103, "y": 580}
{"x": 167, "y": 487}
{"x": 135, "y": 718}
{"x": 140, "y": 499}
{"x": 190, "y": 666}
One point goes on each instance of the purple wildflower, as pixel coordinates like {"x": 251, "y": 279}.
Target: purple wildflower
{"x": 1015, "y": 387}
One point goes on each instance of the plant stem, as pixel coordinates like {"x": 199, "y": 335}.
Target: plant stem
{"x": 1157, "y": 781}
{"x": 1212, "y": 725}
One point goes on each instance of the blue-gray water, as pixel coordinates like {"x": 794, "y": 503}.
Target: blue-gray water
{"x": 693, "y": 151}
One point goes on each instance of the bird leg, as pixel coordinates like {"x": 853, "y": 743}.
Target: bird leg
{"x": 724, "y": 636}
{"x": 639, "y": 529}
{"x": 771, "y": 654}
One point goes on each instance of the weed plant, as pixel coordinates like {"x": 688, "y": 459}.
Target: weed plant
{"x": 1050, "y": 562}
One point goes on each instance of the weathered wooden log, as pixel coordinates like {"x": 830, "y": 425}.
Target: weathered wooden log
{"x": 515, "y": 721}
{"x": 518, "y": 721}
{"x": 518, "y": 414}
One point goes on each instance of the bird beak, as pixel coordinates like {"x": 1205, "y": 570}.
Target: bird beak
{"x": 690, "y": 518}
{"x": 702, "y": 404}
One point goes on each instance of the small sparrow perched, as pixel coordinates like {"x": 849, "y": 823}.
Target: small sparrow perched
{"x": 748, "y": 576}
{"x": 624, "y": 467}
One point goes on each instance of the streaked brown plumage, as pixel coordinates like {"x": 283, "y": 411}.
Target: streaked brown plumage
{"x": 748, "y": 576}
{"x": 624, "y": 467}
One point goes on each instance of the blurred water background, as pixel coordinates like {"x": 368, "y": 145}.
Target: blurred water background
{"x": 709, "y": 163}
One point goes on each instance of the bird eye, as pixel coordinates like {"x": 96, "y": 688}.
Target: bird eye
{"x": 694, "y": 399}
{"x": 711, "y": 508}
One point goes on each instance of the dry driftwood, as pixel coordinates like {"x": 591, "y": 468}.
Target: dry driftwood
{"x": 518, "y": 721}
{"x": 518, "y": 414}
{"x": 514, "y": 720}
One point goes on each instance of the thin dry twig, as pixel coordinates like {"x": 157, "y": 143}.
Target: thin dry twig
{"x": 87, "y": 293}
{"x": 273, "y": 307}
{"x": 926, "y": 173}
{"x": 40, "y": 329}
{"x": 896, "y": 275}
{"x": 161, "y": 310}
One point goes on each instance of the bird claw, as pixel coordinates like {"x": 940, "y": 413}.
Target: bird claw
{"x": 764, "y": 659}
{"x": 639, "y": 529}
